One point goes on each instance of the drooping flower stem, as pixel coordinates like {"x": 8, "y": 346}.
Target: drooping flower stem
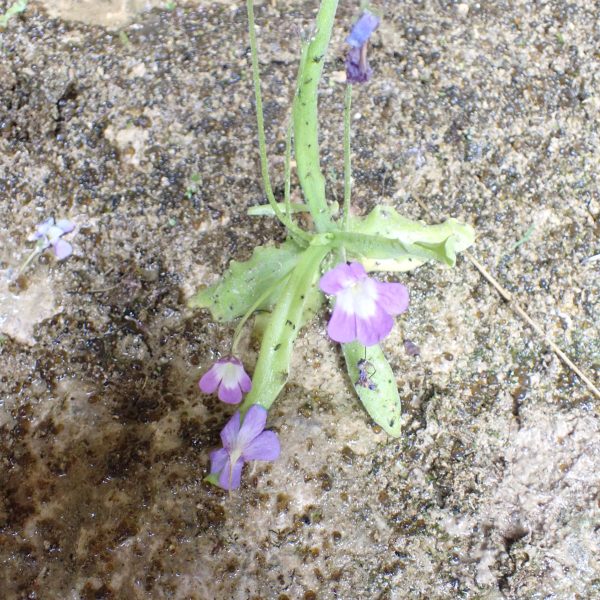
{"x": 305, "y": 110}
{"x": 294, "y": 230}
{"x": 36, "y": 251}
{"x": 272, "y": 367}
{"x": 347, "y": 165}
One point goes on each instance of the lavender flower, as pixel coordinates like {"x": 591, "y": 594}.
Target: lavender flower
{"x": 49, "y": 233}
{"x": 228, "y": 375}
{"x": 357, "y": 66}
{"x": 364, "y": 306}
{"x": 241, "y": 444}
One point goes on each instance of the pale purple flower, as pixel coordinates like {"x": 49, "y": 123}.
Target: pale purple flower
{"x": 357, "y": 66}
{"x": 228, "y": 376}
{"x": 241, "y": 444}
{"x": 49, "y": 233}
{"x": 364, "y": 306}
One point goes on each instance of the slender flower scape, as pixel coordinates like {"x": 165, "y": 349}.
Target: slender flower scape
{"x": 49, "y": 234}
{"x": 364, "y": 306}
{"x": 241, "y": 444}
{"x": 357, "y": 66}
{"x": 228, "y": 376}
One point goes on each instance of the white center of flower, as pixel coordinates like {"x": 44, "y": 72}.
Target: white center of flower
{"x": 359, "y": 298}
{"x": 229, "y": 374}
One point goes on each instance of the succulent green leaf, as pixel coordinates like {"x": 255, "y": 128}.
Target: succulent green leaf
{"x": 296, "y": 301}
{"x": 244, "y": 282}
{"x": 418, "y": 242}
{"x": 305, "y": 116}
{"x": 376, "y": 248}
{"x": 16, "y": 8}
{"x": 383, "y": 402}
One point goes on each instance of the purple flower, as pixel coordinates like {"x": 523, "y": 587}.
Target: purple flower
{"x": 241, "y": 444}
{"x": 49, "y": 233}
{"x": 364, "y": 306}
{"x": 357, "y": 66}
{"x": 362, "y": 29}
{"x": 228, "y": 375}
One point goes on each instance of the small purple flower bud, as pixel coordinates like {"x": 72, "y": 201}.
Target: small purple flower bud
{"x": 242, "y": 444}
{"x": 357, "y": 65}
{"x": 362, "y": 29}
{"x": 228, "y": 376}
{"x": 364, "y": 306}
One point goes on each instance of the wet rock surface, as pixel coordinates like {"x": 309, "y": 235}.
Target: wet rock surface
{"x": 144, "y": 136}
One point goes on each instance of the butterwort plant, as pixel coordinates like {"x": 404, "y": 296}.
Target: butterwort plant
{"x": 333, "y": 265}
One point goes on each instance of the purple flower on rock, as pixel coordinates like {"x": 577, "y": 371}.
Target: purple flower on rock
{"x": 357, "y": 66}
{"x": 241, "y": 444}
{"x": 364, "y": 306}
{"x": 49, "y": 233}
{"x": 228, "y": 376}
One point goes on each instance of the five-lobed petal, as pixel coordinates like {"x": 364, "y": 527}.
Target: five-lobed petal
{"x": 242, "y": 442}
{"x": 364, "y": 306}
{"x": 228, "y": 378}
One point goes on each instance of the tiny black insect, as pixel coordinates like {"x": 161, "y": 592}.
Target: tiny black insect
{"x": 365, "y": 371}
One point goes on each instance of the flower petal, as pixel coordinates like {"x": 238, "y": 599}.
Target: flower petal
{"x": 392, "y": 297}
{"x": 337, "y": 279}
{"x": 253, "y": 424}
{"x": 230, "y": 395}
{"x": 357, "y": 270}
{"x": 231, "y": 370}
{"x": 54, "y": 233}
{"x": 210, "y": 381}
{"x": 342, "y": 326}
{"x": 245, "y": 382}
{"x": 66, "y": 225}
{"x": 62, "y": 249}
{"x": 42, "y": 228}
{"x": 230, "y": 433}
{"x": 362, "y": 29}
{"x": 264, "y": 447}
{"x": 372, "y": 330}
{"x": 218, "y": 460}
{"x": 357, "y": 66}
{"x": 231, "y": 476}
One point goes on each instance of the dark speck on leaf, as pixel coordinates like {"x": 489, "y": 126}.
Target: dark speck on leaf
{"x": 277, "y": 347}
